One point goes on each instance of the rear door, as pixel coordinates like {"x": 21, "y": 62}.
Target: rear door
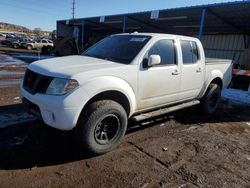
{"x": 192, "y": 76}
{"x": 160, "y": 85}
{"x": 37, "y": 43}
{"x": 43, "y": 43}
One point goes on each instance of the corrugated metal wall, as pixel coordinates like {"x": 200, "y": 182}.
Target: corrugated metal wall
{"x": 64, "y": 30}
{"x": 223, "y": 46}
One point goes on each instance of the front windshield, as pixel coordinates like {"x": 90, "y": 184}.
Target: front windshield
{"x": 118, "y": 48}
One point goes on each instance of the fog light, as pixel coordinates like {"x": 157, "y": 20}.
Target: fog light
{"x": 50, "y": 116}
{"x": 53, "y": 117}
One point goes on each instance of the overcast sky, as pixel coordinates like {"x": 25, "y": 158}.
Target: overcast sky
{"x": 44, "y": 13}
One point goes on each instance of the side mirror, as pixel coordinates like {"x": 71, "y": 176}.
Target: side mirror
{"x": 154, "y": 60}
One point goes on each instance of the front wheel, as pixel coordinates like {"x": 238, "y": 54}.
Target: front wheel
{"x": 102, "y": 127}
{"x": 211, "y": 100}
{"x": 15, "y": 45}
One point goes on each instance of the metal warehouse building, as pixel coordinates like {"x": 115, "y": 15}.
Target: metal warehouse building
{"x": 224, "y": 28}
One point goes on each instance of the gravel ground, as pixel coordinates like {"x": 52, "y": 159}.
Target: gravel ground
{"x": 181, "y": 149}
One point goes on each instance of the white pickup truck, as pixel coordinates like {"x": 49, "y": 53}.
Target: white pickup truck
{"x": 136, "y": 76}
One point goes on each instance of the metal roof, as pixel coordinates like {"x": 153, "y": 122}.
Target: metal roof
{"x": 220, "y": 18}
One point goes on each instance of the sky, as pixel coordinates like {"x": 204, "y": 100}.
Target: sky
{"x": 44, "y": 13}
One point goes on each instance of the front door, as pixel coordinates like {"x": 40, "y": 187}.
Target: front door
{"x": 160, "y": 84}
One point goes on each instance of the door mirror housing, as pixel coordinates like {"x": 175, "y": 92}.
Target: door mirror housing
{"x": 154, "y": 60}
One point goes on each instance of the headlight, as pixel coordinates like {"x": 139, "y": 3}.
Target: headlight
{"x": 60, "y": 86}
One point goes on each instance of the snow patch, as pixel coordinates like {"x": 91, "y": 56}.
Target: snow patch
{"x": 31, "y": 56}
{"x": 236, "y": 95}
{"x": 8, "y": 60}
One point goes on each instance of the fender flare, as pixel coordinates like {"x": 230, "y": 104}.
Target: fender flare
{"x": 107, "y": 83}
{"x": 215, "y": 74}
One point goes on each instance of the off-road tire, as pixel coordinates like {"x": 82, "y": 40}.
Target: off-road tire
{"x": 96, "y": 115}
{"x": 211, "y": 99}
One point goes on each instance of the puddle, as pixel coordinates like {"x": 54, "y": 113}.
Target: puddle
{"x": 13, "y": 119}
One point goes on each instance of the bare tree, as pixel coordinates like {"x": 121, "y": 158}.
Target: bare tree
{"x": 37, "y": 31}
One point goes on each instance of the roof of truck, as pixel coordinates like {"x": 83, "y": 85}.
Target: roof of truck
{"x": 157, "y": 35}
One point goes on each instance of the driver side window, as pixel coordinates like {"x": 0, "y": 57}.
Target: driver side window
{"x": 166, "y": 50}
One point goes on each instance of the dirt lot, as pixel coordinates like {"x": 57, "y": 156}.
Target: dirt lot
{"x": 182, "y": 149}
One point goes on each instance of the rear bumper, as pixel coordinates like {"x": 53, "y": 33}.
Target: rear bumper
{"x": 60, "y": 112}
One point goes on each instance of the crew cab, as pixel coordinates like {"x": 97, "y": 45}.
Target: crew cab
{"x": 125, "y": 76}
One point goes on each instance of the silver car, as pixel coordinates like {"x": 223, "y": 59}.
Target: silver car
{"x": 39, "y": 43}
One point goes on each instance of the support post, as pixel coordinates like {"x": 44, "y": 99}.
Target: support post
{"x": 246, "y": 41}
{"x": 124, "y": 24}
{"x": 203, "y": 16}
{"x": 83, "y": 35}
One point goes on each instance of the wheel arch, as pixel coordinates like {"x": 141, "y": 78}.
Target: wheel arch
{"x": 112, "y": 88}
{"x": 216, "y": 78}
{"x": 29, "y": 45}
{"x": 217, "y": 81}
{"x": 113, "y": 95}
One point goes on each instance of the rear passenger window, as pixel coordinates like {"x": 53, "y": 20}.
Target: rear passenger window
{"x": 190, "y": 53}
{"x": 166, "y": 50}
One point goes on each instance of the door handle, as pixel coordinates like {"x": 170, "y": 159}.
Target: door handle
{"x": 199, "y": 70}
{"x": 175, "y": 72}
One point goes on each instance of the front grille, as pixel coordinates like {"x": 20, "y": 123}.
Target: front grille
{"x": 36, "y": 83}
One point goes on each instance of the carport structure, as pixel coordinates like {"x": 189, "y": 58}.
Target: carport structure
{"x": 223, "y": 28}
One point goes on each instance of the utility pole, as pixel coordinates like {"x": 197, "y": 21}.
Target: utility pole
{"x": 73, "y": 9}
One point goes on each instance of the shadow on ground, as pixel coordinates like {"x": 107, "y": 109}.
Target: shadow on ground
{"x": 34, "y": 144}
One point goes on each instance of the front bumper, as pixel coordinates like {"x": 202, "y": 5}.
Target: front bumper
{"x": 60, "y": 112}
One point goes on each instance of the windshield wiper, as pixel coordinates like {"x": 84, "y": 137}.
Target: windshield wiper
{"x": 117, "y": 59}
{"x": 95, "y": 56}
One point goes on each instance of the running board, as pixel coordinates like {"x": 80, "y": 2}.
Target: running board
{"x": 161, "y": 111}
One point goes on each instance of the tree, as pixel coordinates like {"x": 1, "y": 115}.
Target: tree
{"x": 37, "y": 31}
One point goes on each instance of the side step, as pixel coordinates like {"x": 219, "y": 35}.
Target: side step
{"x": 161, "y": 111}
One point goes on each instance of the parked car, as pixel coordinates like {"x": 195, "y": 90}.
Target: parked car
{"x": 10, "y": 36}
{"x": 134, "y": 76}
{"x": 8, "y": 42}
{"x": 39, "y": 44}
{"x": 21, "y": 43}
{"x": 2, "y": 34}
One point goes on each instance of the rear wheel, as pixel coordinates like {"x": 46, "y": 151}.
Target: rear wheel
{"x": 29, "y": 47}
{"x": 101, "y": 128}
{"x": 211, "y": 99}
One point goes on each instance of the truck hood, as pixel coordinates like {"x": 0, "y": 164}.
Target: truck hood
{"x": 66, "y": 67}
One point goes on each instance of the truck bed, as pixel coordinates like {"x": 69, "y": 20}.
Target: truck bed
{"x": 217, "y": 61}
{"x": 223, "y": 65}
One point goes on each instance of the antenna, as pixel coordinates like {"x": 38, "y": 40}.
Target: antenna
{"x": 73, "y": 9}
